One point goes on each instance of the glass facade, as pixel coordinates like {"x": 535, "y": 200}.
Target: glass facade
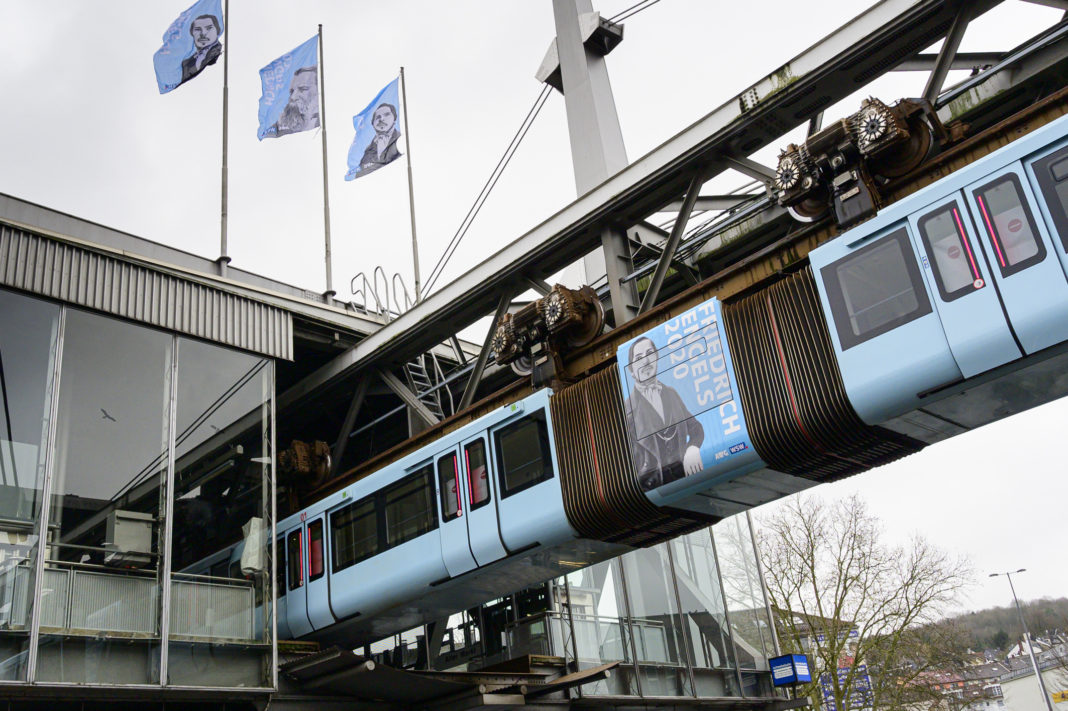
{"x": 142, "y": 460}
{"x": 686, "y": 618}
{"x": 29, "y": 346}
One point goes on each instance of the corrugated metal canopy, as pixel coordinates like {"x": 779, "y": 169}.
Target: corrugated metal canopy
{"x": 138, "y": 291}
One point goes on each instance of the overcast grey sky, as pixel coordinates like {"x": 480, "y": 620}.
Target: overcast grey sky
{"x": 84, "y": 130}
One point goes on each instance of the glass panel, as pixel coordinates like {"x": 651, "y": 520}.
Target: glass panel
{"x": 952, "y": 259}
{"x": 1052, "y": 174}
{"x": 875, "y": 289}
{"x": 656, "y": 624}
{"x": 594, "y": 627}
{"x": 280, "y": 570}
{"x": 697, "y": 576}
{"x": 410, "y": 509}
{"x": 295, "y": 556}
{"x": 102, "y": 624}
{"x": 220, "y": 626}
{"x": 355, "y": 533}
{"x": 449, "y": 487}
{"x": 1010, "y": 225}
{"x": 315, "y": 550}
{"x": 746, "y": 607}
{"x": 523, "y": 457}
{"x": 477, "y": 473}
{"x": 29, "y": 331}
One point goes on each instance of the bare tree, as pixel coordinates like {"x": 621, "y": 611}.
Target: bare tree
{"x": 855, "y": 604}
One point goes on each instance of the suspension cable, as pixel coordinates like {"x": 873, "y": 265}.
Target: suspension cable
{"x": 483, "y": 195}
{"x": 505, "y": 159}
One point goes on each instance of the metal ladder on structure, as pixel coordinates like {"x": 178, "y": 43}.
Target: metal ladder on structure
{"x": 423, "y": 373}
{"x": 423, "y": 379}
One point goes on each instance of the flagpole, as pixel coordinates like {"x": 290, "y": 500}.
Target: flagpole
{"x": 411, "y": 190}
{"x": 326, "y": 191}
{"x": 224, "y": 259}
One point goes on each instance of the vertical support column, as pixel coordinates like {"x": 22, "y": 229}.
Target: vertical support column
{"x": 597, "y": 149}
{"x": 165, "y": 547}
{"x": 272, "y": 492}
{"x": 46, "y": 503}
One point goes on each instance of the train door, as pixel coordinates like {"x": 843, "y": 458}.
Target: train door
{"x": 296, "y": 579}
{"x": 1031, "y": 282}
{"x": 483, "y": 523}
{"x": 889, "y": 341}
{"x": 1049, "y": 176}
{"x": 455, "y": 546}
{"x": 318, "y": 587}
{"x": 280, "y": 589}
{"x": 962, "y": 291}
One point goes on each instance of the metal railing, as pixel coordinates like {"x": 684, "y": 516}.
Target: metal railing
{"x": 91, "y": 600}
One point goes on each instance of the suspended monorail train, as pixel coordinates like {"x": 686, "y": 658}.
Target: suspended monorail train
{"x": 946, "y": 311}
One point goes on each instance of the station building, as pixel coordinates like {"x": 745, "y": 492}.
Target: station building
{"x": 146, "y": 398}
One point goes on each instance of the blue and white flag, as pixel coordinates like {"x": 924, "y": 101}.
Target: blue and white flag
{"x": 189, "y": 44}
{"x": 377, "y": 132}
{"x": 290, "y": 100}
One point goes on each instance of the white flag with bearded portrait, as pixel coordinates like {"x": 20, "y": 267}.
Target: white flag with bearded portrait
{"x": 290, "y": 99}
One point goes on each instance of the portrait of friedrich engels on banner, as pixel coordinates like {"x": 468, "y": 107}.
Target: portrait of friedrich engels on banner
{"x": 665, "y": 437}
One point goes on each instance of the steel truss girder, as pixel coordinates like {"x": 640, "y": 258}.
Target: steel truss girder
{"x": 873, "y": 43}
{"x": 948, "y": 53}
{"x": 668, "y": 255}
{"x": 410, "y": 399}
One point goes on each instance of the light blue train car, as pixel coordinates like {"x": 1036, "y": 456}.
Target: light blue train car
{"x": 946, "y": 311}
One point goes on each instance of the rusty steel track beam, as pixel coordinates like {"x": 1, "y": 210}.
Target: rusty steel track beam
{"x": 755, "y": 271}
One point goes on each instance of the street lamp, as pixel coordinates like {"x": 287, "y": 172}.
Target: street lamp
{"x": 1027, "y": 638}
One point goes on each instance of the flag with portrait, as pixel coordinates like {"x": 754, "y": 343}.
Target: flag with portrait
{"x": 376, "y": 143}
{"x": 192, "y": 43}
{"x": 290, "y": 99}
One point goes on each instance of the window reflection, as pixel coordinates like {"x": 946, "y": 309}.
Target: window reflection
{"x": 746, "y": 607}
{"x": 697, "y": 576}
{"x": 29, "y": 330}
{"x": 655, "y": 622}
{"x": 595, "y": 601}
{"x": 105, "y": 524}
{"x": 219, "y": 620}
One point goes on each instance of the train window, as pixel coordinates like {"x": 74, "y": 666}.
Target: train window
{"x": 875, "y": 289}
{"x": 1009, "y": 224}
{"x": 354, "y": 530}
{"x": 296, "y": 560}
{"x": 1052, "y": 174}
{"x": 477, "y": 473}
{"x": 409, "y": 506}
{"x": 315, "y": 550}
{"x": 523, "y": 455}
{"x": 449, "y": 484}
{"x": 280, "y": 567}
{"x": 952, "y": 259}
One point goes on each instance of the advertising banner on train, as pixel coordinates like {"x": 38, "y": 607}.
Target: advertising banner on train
{"x": 684, "y": 416}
